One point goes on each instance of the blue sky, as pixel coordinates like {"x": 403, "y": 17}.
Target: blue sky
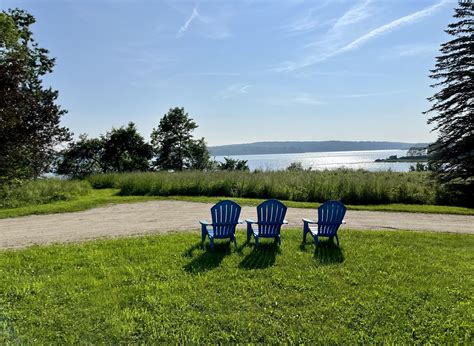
{"x": 246, "y": 71}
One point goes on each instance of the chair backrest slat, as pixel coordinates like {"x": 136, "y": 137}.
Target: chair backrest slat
{"x": 225, "y": 216}
{"x": 270, "y": 216}
{"x": 330, "y": 216}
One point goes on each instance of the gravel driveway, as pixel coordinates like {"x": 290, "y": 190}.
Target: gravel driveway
{"x": 164, "y": 216}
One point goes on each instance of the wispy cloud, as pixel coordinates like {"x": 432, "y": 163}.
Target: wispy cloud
{"x": 234, "y": 90}
{"x": 352, "y": 16}
{"x": 409, "y": 50}
{"x": 300, "y": 98}
{"x": 187, "y": 23}
{"x": 213, "y": 74}
{"x": 383, "y": 93}
{"x": 306, "y": 23}
{"x": 213, "y": 27}
{"x": 393, "y": 25}
{"x": 302, "y": 25}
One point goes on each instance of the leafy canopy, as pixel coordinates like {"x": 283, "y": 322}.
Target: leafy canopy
{"x": 29, "y": 116}
{"x": 174, "y": 144}
{"x": 120, "y": 150}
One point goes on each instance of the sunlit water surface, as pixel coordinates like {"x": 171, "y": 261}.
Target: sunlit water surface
{"x": 328, "y": 160}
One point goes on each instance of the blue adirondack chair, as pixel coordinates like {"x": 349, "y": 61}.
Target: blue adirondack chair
{"x": 270, "y": 216}
{"x": 225, "y": 217}
{"x": 330, "y": 217}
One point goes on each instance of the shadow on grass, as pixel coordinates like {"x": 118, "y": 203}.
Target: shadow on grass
{"x": 260, "y": 258}
{"x": 326, "y": 252}
{"x": 208, "y": 259}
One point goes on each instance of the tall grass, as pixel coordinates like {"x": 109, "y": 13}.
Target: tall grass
{"x": 352, "y": 187}
{"x": 42, "y": 191}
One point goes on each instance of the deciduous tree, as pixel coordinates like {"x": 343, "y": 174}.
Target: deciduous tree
{"x": 174, "y": 144}
{"x": 30, "y": 118}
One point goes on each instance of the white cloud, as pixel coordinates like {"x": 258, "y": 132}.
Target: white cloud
{"x": 234, "y": 90}
{"x": 187, "y": 23}
{"x": 393, "y": 25}
{"x": 301, "y": 99}
{"x": 383, "y": 93}
{"x": 408, "y": 50}
{"x": 354, "y": 15}
{"x": 301, "y": 25}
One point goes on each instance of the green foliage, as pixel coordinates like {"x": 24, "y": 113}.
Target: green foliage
{"x": 174, "y": 144}
{"x": 231, "y": 164}
{"x": 352, "y": 187}
{"x": 30, "y": 118}
{"x": 82, "y": 157}
{"x": 295, "y": 167}
{"x": 125, "y": 150}
{"x": 9, "y": 35}
{"x": 41, "y": 191}
{"x": 119, "y": 150}
{"x": 417, "y": 151}
{"x": 378, "y": 287}
{"x": 452, "y": 155}
{"x": 199, "y": 158}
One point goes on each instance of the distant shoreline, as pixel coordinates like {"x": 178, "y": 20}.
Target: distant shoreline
{"x": 295, "y": 147}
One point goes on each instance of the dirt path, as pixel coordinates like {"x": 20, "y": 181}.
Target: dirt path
{"x": 164, "y": 216}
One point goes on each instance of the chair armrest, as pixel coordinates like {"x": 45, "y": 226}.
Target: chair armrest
{"x": 285, "y": 222}
{"x": 250, "y": 221}
{"x": 204, "y": 222}
{"x": 309, "y": 221}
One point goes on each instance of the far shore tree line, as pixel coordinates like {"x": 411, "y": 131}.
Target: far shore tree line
{"x": 31, "y": 130}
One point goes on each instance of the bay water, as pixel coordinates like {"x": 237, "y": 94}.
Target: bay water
{"x": 327, "y": 160}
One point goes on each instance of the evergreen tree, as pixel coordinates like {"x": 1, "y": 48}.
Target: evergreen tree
{"x": 452, "y": 155}
{"x": 29, "y": 116}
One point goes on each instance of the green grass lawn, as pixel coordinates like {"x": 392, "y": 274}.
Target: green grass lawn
{"x": 395, "y": 287}
{"x": 101, "y": 197}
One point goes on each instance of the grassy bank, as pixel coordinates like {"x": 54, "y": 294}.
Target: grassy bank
{"x": 42, "y": 191}
{"x": 378, "y": 287}
{"x": 351, "y": 187}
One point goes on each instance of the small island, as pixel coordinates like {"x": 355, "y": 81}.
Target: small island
{"x": 414, "y": 154}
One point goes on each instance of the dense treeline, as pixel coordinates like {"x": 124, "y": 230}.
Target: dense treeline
{"x": 124, "y": 149}
{"x": 352, "y": 187}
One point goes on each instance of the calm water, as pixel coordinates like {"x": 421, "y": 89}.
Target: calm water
{"x": 328, "y": 160}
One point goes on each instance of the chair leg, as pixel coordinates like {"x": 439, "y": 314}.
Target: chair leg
{"x": 235, "y": 242}
{"x": 249, "y": 231}
{"x": 279, "y": 240}
{"x": 256, "y": 242}
{"x": 203, "y": 233}
{"x": 305, "y": 232}
{"x": 212, "y": 243}
{"x": 337, "y": 240}
{"x": 316, "y": 240}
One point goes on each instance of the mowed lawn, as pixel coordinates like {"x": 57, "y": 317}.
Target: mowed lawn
{"x": 401, "y": 287}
